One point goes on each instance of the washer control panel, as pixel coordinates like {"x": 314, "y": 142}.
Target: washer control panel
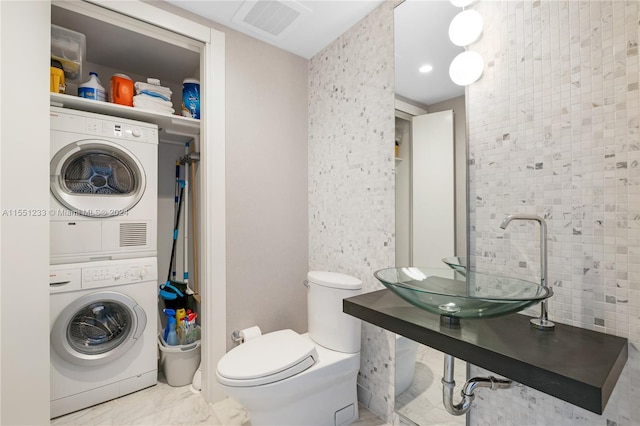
{"x": 111, "y": 275}
{"x": 100, "y": 274}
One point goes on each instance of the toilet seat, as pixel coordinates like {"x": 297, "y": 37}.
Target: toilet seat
{"x": 266, "y": 359}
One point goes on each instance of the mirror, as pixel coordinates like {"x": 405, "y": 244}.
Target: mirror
{"x": 430, "y": 185}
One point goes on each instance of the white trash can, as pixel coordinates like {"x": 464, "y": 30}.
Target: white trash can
{"x": 180, "y": 362}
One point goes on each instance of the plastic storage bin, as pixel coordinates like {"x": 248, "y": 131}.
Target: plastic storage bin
{"x": 68, "y": 47}
{"x": 180, "y": 362}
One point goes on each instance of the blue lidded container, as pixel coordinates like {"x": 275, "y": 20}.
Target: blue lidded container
{"x": 191, "y": 98}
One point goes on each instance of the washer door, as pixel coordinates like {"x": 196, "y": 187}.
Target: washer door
{"x": 96, "y": 178}
{"x": 98, "y": 328}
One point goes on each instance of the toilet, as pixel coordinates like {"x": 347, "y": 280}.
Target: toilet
{"x": 286, "y": 378}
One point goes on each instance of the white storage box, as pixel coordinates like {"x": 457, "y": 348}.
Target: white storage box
{"x": 69, "y": 48}
{"x": 179, "y": 363}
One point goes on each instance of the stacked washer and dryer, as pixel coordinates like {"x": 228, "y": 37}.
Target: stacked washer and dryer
{"x": 103, "y": 274}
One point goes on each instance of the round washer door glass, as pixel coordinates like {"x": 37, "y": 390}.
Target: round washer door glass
{"x": 96, "y": 178}
{"x": 97, "y": 328}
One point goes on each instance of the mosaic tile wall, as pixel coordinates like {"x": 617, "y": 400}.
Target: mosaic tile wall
{"x": 351, "y": 176}
{"x": 554, "y": 131}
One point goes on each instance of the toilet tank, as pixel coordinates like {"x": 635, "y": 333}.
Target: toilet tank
{"x": 328, "y": 325}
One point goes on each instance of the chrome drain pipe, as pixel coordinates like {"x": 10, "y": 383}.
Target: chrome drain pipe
{"x": 467, "y": 392}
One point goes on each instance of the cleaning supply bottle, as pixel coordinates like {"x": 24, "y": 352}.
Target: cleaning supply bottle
{"x": 191, "y": 98}
{"x": 170, "y": 313}
{"x": 180, "y": 315}
{"x": 191, "y": 333}
{"x": 172, "y": 336}
{"x": 92, "y": 89}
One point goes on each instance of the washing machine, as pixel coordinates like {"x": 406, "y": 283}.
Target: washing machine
{"x": 103, "y": 187}
{"x": 103, "y": 331}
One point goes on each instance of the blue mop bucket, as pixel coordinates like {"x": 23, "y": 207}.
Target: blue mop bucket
{"x": 174, "y": 296}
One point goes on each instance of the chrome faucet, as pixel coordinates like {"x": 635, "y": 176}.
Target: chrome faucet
{"x": 542, "y": 322}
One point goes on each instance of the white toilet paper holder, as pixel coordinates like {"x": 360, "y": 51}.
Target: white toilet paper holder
{"x": 241, "y": 336}
{"x": 237, "y": 337}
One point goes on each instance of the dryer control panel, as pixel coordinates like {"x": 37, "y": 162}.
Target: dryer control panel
{"x": 120, "y": 130}
{"x": 85, "y": 123}
{"x": 81, "y": 276}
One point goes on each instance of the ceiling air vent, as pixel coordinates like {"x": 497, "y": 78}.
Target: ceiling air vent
{"x": 270, "y": 18}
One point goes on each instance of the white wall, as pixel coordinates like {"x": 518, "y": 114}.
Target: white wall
{"x": 267, "y": 227}
{"x": 24, "y": 240}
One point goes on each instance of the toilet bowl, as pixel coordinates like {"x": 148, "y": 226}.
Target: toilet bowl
{"x": 286, "y": 378}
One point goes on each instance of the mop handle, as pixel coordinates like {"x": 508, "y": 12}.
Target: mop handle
{"x": 175, "y": 233}
{"x": 176, "y": 199}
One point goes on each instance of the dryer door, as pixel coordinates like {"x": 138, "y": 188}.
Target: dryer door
{"x": 97, "y": 178}
{"x": 98, "y": 328}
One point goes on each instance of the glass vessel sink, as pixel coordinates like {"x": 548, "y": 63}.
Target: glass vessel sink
{"x": 454, "y": 296}
{"x": 457, "y": 263}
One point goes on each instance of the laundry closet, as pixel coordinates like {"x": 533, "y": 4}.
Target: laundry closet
{"x": 190, "y": 152}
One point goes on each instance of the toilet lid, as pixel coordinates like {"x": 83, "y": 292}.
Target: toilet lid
{"x": 266, "y": 359}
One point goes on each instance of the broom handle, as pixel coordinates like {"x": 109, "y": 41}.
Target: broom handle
{"x": 175, "y": 234}
{"x": 194, "y": 226}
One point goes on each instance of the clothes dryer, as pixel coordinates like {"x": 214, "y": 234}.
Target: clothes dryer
{"x": 103, "y": 328}
{"x": 103, "y": 187}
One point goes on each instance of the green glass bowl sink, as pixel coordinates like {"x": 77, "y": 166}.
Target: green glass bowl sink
{"x": 455, "y": 296}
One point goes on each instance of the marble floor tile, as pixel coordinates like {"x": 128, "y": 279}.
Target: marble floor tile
{"x": 421, "y": 403}
{"x": 367, "y": 418}
{"x": 166, "y": 405}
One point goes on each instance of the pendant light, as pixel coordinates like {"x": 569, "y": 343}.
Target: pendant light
{"x": 465, "y": 28}
{"x": 466, "y": 68}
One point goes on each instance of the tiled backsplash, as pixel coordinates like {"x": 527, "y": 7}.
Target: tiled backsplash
{"x": 351, "y": 180}
{"x": 554, "y": 131}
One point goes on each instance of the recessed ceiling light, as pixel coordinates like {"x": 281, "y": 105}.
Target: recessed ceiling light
{"x": 425, "y": 68}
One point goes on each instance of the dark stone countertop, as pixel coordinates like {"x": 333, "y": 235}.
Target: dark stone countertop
{"x": 574, "y": 364}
